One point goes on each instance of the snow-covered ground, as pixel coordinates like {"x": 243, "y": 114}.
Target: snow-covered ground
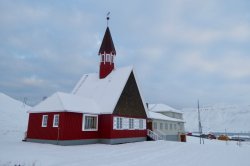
{"x": 158, "y": 153}
{"x": 218, "y": 118}
{"x": 147, "y": 153}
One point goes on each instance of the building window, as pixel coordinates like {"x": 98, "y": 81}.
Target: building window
{"x": 56, "y": 120}
{"x": 118, "y": 123}
{"x": 171, "y": 127}
{"x": 161, "y": 126}
{"x": 102, "y": 58}
{"x": 122, "y": 123}
{"x": 131, "y": 123}
{"x": 45, "y": 121}
{"x": 90, "y": 122}
{"x": 107, "y": 57}
{"x": 166, "y": 126}
{"x": 175, "y": 126}
{"x": 155, "y": 125}
{"x": 112, "y": 59}
{"x": 140, "y": 123}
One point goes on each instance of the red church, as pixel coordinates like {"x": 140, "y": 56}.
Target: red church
{"x": 105, "y": 107}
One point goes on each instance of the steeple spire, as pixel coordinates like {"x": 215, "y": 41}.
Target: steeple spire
{"x": 107, "y": 45}
{"x": 106, "y": 53}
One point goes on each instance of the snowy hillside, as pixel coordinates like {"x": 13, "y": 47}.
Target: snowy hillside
{"x": 13, "y": 115}
{"x": 217, "y": 118}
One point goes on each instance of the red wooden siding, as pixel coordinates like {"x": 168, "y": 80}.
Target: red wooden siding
{"x": 35, "y": 129}
{"x": 70, "y": 128}
{"x": 105, "y": 126}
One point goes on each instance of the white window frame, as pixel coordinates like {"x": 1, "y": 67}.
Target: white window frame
{"x": 45, "y": 124}
{"x": 155, "y": 125}
{"x": 171, "y": 126}
{"x": 123, "y": 123}
{"x": 166, "y": 126}
{"x": 119, "y": 123}
{"x": 131, "y": 124}
{"x": 141, "y": 124}
{"x": 107, "y": 57}
{"x": 54, "y": 120}
{"x": 84, "y": 120}
{"x": 136, "y": 124}
{"x": 161, "y": 126}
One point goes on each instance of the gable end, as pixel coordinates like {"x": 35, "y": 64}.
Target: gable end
{"x": 130, "y": 102}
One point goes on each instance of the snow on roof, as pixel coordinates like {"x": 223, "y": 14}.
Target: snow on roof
{"x": 159, "y": 116}
{"x": 90, "y": 95}
{"x": 105, "y": 92}
{"x": 162, "y": 108}
{"x": 63, "y": 102}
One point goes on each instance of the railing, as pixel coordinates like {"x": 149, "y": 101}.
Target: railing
{"x": 153, "y": 135}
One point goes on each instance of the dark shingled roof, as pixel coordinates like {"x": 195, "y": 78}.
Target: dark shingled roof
{"x": 107, "y": 44}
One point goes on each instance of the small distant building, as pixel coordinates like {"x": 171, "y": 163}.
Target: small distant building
{"x": 166, "y": 122}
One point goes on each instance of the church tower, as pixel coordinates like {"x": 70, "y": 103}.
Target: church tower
{"x": 107, "y": 53}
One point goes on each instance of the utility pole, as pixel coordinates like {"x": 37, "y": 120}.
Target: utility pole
{"x": 199, "y": 124}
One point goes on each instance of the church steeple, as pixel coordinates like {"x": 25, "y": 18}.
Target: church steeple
{"x": 107, "y": 53}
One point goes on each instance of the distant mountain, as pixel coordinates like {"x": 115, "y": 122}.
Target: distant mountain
{"x": 13, "y": 114}
{"x": 218, "y": 118}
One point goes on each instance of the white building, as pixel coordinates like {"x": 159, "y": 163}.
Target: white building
{"x": 166, "y": 122}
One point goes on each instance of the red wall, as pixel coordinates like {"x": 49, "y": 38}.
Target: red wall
{"x": 70, "y": 128}
{"x": 105, "y": 69}
{"x": 35, "y": 129}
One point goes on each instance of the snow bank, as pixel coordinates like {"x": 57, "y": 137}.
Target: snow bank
{"x": 14, "y": 116}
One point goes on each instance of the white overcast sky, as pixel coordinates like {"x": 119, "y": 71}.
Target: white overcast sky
{"x": 182, "y": 50}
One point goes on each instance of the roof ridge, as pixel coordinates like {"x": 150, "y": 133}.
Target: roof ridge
{"x": 80, "y": 83}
